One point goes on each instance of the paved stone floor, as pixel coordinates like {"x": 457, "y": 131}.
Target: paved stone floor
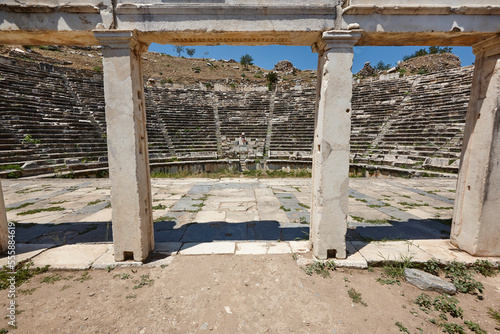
{"x": 66, "y": 223}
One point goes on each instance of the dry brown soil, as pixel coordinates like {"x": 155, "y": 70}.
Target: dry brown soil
{"x": 230, "y": 294}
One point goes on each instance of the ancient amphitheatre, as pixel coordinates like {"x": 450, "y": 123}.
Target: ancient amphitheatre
{"x": 375, "y": 128}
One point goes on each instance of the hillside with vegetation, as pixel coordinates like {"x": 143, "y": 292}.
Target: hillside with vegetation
{"x": 165, "y": 70}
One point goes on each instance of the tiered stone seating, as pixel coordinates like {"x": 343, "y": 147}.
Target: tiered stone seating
{"x": 49, "y": 114}
{"x": 188, "y": 119}
{"x": 431, "y": 121}
{"x": 89, "y": 91}
{"x": 293, "y": 123}
{"x": 46, "y": 118}
{"x": 246, "y": 112}
{"x": 373, "y": 104}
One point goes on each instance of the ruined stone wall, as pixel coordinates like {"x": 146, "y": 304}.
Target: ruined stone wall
{"x": 54, "y": 118}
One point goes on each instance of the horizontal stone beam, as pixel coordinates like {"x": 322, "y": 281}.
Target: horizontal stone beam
{"x": 371, "y": 9}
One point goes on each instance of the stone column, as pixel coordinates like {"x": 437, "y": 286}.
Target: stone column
{"x": 4, "y": 232}
{"x": 133, "y": 235}
{"x": 331, "y": 144}
{"x": 476, "y": 218}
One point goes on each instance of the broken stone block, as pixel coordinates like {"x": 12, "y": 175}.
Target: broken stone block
{"x": 428, "y": 282}
{"x": 30, "y": 165}
{"x": 437, "y": 162}
{"x": 72, "y": 161}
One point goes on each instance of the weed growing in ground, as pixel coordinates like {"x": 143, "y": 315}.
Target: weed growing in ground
{"x": 376, "y": 221}
{"x": 424, "y": 301}
{"x": 144, "y": 281}
{"x": 401, "y": 327}
{"x": 123, "y": 276}
{"x": 485, "y": 268}
{"x": 50, "y": 209}
{"x": 411, "y": 205}
{"x": 19, "y": 206}
{"x": 51, "y": 279}
{"x": 495, "y": 315}
{"x": 23, "y": 272}
{"x": 396, "y": 270}
{"x": 358, "y": 219}
{"x": 474, "y": 327}
{"x": 388, "y": 281}
{"x": 444, "y": 304}
{"x": 165, "y": 218}
{"x": 462, "y": 278}
{"x": 95, "y": 202}
{"x": 320, "y": 268}
{"x": 431, "y": 266}
{"x": 356, "y": 297}
{"x": 447, "y": 304}
{"x": 284, "y": 209}
{"x": 84, "y": 277}
{"x": 58, "y": 202}
{"x": 160, "y": 207}
{"x": 27, "y": 291}
{"x": 452, "y": 328}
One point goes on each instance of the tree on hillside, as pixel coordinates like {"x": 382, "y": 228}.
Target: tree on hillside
{"x": 432, "y": 50}
{"x": 190, "y": 52}
{"x": 381, "y": 66}
{"x": 179, "y": 49}
{"x": 246, "y": 60}
{"x": 272, "y": 78}
{"x": 437, "y": 49}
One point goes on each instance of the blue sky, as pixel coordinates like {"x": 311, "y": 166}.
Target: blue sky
{"x": 303, "y": 58}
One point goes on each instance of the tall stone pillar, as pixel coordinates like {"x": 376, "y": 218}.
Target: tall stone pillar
{"x": 331, "y": 144}
{"x": 476, "y": 218}
{"x": 133, "y": 234}
{"x": 4, "y": 232}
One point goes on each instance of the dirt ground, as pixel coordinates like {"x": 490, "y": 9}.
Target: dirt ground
{"x": 230, "y": 294}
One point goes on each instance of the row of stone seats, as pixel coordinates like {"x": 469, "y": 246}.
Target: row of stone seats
{"x": 293, "y": 122}
{"x": 243, "y": 112}
{"x": 428, "y": 123}
{"x": 186, "y": 119}
{"x": 45, "y": 118}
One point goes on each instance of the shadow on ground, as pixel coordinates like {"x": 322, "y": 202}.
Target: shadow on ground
{"x": 270, "y": 230}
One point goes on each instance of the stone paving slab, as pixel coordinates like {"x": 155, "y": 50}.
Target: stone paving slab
{"x": 193, "y": 248}
{"x": 170, "y": 248}
{"x": 251, "y": 248}
{"x": 279, "y": 248}
{"x": 376, "y": 252}
{"x": 79, "y": 256}
{"x": 445, "y": 252}
{"x": 25, "y": 252}
{"x": 107, "y": 260}
{"x": 300, "y": 246}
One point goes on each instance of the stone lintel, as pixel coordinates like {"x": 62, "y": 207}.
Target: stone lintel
{"x": 127, "y": 145}
{"x": 223, "y": 9}
{"x": 421, "y": 10}
{"x": 3, "y": 224}
{"x": 45, "y": 8}
{"x": 476, "y": 228}
{"x": 331, "y": 144}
